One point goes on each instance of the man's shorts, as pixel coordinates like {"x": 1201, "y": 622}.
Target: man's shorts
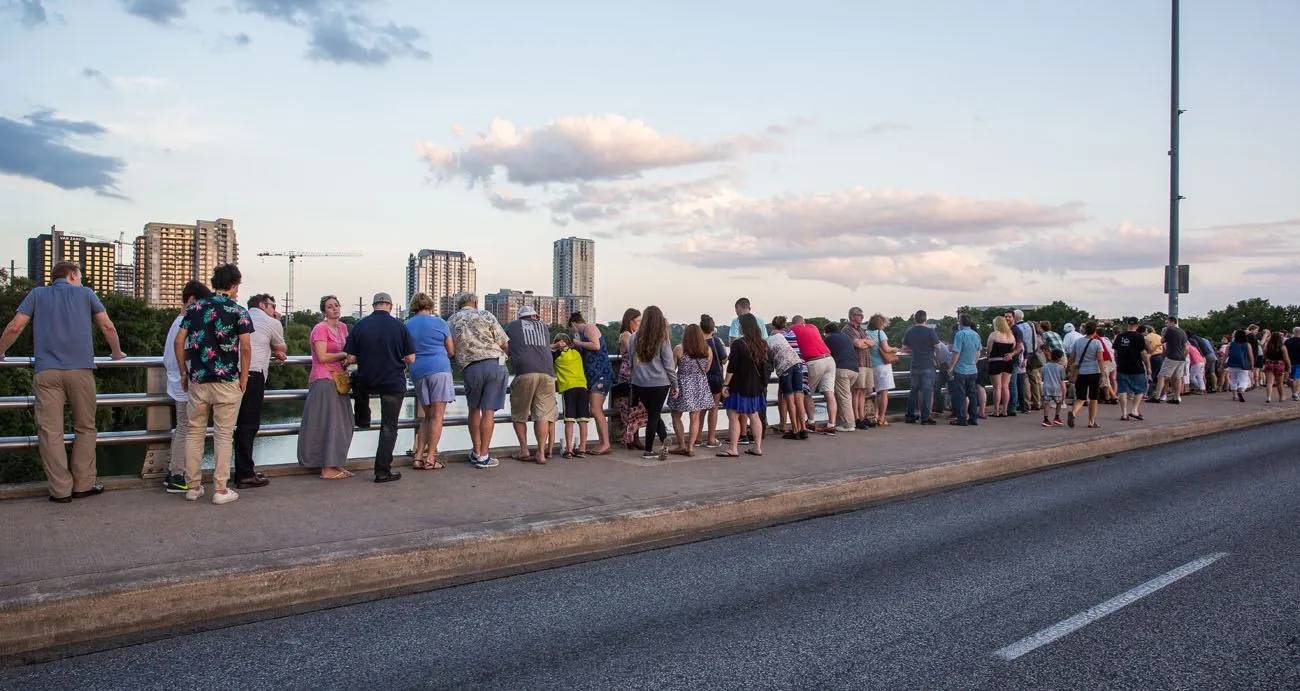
{"x": 1135, "y": 384}
{"x": 1295, "y": 371}
{"x": 532, "y": 394}
{"x": 821, "y": 376}
{"x": 485, "y": 385}
{"x": 884, "y": 376}
{"x": 1053, "y": 399}
{"x": 577, "y": 405}
{"x": 1173, "y": 369}
{"x": 435, "y": 388}
{"x": 866, "y": 380}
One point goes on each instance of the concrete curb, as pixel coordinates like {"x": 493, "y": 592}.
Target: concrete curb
{"x": 85, "y": 615}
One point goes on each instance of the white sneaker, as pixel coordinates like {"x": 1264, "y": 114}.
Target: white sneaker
{"x": 224, "y": 498}
{"x": 194, "y": 493}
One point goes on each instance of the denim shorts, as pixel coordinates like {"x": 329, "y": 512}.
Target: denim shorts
{"x": 485, "y": 385}
{"x": 435, "y": 388}
{"x": 790, "y": 383}
{"x": 1132, "y": 383}
{"x": 600, "y": 385}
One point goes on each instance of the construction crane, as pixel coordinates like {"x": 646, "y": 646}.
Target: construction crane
{"x": 293, "y": 256}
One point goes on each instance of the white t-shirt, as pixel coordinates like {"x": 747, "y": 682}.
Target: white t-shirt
{"x": 169, "y": 363}
{"x": 267, "y": 332}
{"x": 734, "y": 335}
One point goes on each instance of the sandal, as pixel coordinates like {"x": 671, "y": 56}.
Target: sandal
{"x": 435, "y": 464}
{"x": 681, "y": 451}
{"x": 751, "y": 452}
{"x": 726, "y": 454}
{"x": 338, "y": 475}
{"x": 1094, "y": 426}
{"x": 1137, "y": 417}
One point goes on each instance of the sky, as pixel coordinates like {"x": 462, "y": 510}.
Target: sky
{"x": 810, "y": 156}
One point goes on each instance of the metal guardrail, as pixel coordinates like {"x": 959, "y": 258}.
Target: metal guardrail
{"x": 124, "y": 400}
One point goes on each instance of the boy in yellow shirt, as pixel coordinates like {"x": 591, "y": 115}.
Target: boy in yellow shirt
{"x": 571, "y": 382}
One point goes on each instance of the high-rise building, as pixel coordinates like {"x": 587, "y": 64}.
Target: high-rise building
{"x": 506, "y": 303}
{"x": 96, "y": 259}
{"x": 574, "y": 271}
{"x": 168, "y": 255}
{"x": 124, "y": 280}
{"x": 440, "y": 274}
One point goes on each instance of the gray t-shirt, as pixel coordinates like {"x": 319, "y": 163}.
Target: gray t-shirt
{"x": 921, "y": 339}
{"x": 530, "y": 347}
{"x": 1084, "y": 352}
{"x": 1053, "y": 375}
{"x": 1175, "y": 344}
{"x": 62, "y": 315}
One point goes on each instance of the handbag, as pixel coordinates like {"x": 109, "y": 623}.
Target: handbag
{"x": 1072, "y": 372}
{"x": 342, "y": 382}
{"x": 888, "y": 357}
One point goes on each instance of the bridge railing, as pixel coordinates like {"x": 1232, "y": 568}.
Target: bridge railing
{"x": 159, "y": 407}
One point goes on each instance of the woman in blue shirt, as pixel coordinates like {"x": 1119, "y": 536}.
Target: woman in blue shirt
{"x": 1241, "y": 361}
{"x": 431, "y": 376}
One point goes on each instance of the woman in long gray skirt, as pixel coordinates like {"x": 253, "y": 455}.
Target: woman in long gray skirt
{"x": 327, "y": 421}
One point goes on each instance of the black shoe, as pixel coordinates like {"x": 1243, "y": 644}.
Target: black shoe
{"x": 957, "y": 423}
{"x": 1011, "y": 413}
{"x": 1175, "y": 401}
{"x": 803, "y": 435}
{"x": 929, "y": 421}
{"x": 61, "y": 500}
{"x": 860, "y": 424}
{"x": 746, "y": 440}
{"x": 909, "y": 421}
{"x": 388, "y": 477}
{"x": 258, "y": 480}
{"x": 790, "y": 435}
{"x": 871, "y": 424}
{"x": 94, "y": 489}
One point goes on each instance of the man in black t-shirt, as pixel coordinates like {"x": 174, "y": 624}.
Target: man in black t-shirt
{"x": 383, "y": 349}
{"x": 1293, "y": 350}
{"x": 1132, "y": 367}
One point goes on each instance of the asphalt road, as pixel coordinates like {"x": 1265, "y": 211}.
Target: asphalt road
{"x": 914, "y": 594}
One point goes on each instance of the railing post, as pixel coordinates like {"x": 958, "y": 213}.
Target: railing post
{"x": 157, "y": 418}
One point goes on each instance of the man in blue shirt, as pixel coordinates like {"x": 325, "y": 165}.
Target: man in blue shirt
{"x": 383, "y": 348}
{"x": 965, "y": 371}
{"x": 65, "y": 363}
{"x": 921, "y": 342}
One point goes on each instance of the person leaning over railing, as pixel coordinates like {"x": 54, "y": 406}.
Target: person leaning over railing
{"x": 175, "y": 483}
{"x": 431, "y": 377}
{"x": 327, "y": 421}
{"x": 480, "y": 344}
{"x": 598, "y": 372}
{"x": 64, "y": 351}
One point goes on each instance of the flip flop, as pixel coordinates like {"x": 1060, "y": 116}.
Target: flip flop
{"x": 751, "y": 452}
{"x": 606, "y": 452}
{"x": 681, "y": 452}
{"x": 337, "y": 476}
{"x": 727, "y": 454}
{"x": 1136, "y": 417}
{"x": 523, "y": 459}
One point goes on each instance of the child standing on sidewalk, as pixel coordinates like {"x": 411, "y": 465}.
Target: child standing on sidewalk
{"x": 1053, "y": 387}
{"x": 572, "y": 385}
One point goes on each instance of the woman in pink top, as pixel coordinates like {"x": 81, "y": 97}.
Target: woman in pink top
{"x": 327, "y": 422}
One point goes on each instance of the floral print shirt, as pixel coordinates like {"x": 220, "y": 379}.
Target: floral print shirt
{"x": 477, "y": 335}
{"x": 213, "y": 326}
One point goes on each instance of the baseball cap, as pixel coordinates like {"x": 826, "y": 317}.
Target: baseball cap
{"x": 1132, "y": 320}
{"x": 526, "y": 311}
{"x": 382, "y": 298}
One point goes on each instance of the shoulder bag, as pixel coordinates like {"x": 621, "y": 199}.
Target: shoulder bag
{"x": 888, "y": 357}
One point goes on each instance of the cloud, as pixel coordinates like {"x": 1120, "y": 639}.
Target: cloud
{"x": 339, "y": 31}
{"x": 160, "y": 12}
{"x": 125, "y": 83}
{"x": 31, "y": 13}
{"x": 1127, "y": 247}
{"x": 506, "y": 201}
{"x": 240, "y": 39}
{"x": 577, "y": 149}
{"x": 94, "y": 75}
{"x": 36, "y": 147}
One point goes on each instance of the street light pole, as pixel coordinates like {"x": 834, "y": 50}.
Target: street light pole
{"x": 1171, "y": 276}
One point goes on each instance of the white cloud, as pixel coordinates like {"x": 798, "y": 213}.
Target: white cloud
{"x": 576, "y": 149}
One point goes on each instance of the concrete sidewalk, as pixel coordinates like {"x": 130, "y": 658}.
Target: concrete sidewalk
{"x": 132, "y": 564}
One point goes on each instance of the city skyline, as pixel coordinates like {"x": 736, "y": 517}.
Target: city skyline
{"x": 901, "y": 156}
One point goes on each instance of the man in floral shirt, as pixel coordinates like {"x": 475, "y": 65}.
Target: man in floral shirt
{"x": 480, "y": 343}
{"x": 214, "y": 353}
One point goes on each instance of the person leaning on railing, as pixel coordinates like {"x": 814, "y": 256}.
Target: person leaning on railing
{"x": 327, "y": 422}
{"x": 62, "y": 313}
{"x": 175, "y": 482}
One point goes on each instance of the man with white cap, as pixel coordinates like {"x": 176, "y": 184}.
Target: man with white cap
{"x": 383, "y": 348}
{"x": 533, "y": 390}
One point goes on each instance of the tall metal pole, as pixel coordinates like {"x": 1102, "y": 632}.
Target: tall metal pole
{"x": 289, "y": 298}
{"x": 1172, "y": 275}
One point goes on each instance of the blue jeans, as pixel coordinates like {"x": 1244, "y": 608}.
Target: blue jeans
{"x": 921, "y": 394}
{"x": 1015, "y": 391}
{"x": 965, "y": 397}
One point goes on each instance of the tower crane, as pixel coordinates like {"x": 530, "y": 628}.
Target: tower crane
{"x": 293, "y": 256}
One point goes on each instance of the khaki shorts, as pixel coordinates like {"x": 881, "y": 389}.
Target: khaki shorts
{"x": 1173, "y": 369}
{"x": 821, "y": 376}
{"x": 866, "y": 380}
{"x": 532, "y": 394}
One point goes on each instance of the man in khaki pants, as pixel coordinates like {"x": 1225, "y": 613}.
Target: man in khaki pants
{"x": 214, "y": 353}
{"x": 64, "y": 362}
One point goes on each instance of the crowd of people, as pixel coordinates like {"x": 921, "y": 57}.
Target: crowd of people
{"x": 217, "y": 354}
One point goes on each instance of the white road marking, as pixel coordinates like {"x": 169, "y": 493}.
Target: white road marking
{"x": 1082, "y": 619}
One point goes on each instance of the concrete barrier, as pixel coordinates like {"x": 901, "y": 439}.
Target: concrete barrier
{"x": 91, "y": 612}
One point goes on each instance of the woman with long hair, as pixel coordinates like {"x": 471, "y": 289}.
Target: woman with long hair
{"x": 588, "y": 340}
{"x": 431, "y": 377}
{"x": 1087, "y": 353}
{"x": 716, "y": 375}
{"x": 694, "y": 358}
{"x": 1001, "y": 346}
{"x": 327, "y": 422}
{"x": 629, "y": 411}
{"x": 1277, "y": 363}
{"x": 654, "y": 375}
{"x": 744, "y": 392}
